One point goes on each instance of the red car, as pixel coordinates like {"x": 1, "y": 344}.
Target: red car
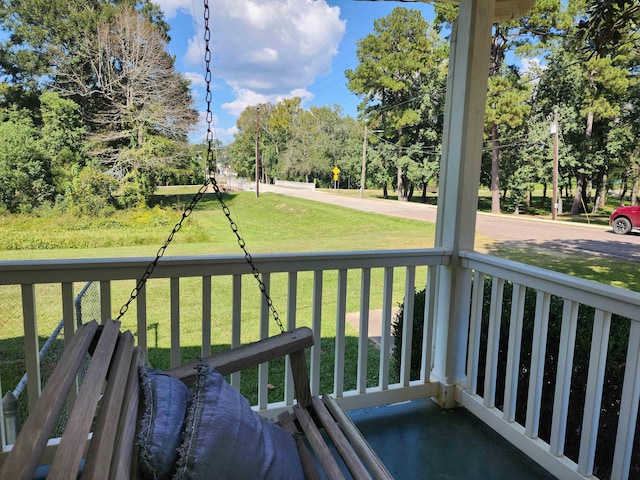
{"x": 623, "y": 219}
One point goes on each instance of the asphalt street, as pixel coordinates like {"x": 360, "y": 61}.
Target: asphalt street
{"x": 509, "y": 230}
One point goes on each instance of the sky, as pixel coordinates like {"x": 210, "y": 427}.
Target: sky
{"x": 269, "y": 50}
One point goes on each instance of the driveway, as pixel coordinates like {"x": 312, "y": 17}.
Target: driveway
{"x": 507, "y": 230}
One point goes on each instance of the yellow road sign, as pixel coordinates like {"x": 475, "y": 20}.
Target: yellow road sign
{"x": 335, "y": 171}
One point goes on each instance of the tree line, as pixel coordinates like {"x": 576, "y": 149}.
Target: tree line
{"x": 558, "y": 58}
{"x": 93, "y": 114}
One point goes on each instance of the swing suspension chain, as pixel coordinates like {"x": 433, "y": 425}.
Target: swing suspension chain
{"x": 201, "y": 191}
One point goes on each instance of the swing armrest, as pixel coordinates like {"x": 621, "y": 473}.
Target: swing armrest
{"x": 249, "y": 355}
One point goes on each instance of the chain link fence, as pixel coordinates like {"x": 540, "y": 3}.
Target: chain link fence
{"x": 87, "y": 306}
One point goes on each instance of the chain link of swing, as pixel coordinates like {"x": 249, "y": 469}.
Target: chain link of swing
{"x": 210, "y": 181}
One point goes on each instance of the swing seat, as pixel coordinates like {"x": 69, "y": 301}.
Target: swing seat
{"x": 99, "y": 439}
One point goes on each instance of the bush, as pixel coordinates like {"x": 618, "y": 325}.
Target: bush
{"x": 416, "y": 342}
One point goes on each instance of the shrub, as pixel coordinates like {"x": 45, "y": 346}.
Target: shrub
{"x": 90, "y": 193}
{"x": 416, "y": 342}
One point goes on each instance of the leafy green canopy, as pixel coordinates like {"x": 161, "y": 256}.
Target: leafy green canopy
{"x": 106, "y": 61}
{"x": 401, "y": 81}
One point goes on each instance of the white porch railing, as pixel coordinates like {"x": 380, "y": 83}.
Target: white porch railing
{"x": 553, "y": 390}
{"x": 204, "y": 301}
{"x": 229, "y": 302}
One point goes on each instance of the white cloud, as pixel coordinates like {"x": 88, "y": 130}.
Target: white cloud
{"x": 268, "y": 49}
{"x": 171, "y": 7}
{"x": 245, "y": 97}
{"x": 196, "y": 79}
{"x": 195, "y": 52}
{"x": 198, "y": 133}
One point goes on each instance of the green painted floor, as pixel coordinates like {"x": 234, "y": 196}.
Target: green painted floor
{"x": 419, "y": 440}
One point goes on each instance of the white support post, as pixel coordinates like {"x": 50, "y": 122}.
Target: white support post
{"x": 3, "y": 442}
{"x": 316, "y": 326}
{"x": 263, "y": 368}
{"x": 141, "y": 319}
{"x": 341, "y": 309}
{"x": 68, "y": 319}
{"x": 563, "y": 377}
{"x": 427, "y": 334}
{"x": 628, "y": 407}
{"x": 474, "y": 332}
{"x": 236, "y": 315}
{"x": 538, "y": 355}
{"x": 175, "y": 320}
{"x": 513, "y": 356}
{"x": 407, "y": 326}
{"x": 493, "y": 342}
{"x": 363, "y": 333}
{"x": 385, "y": 341}
{"x": 31, "y": 350}
{"x": 105, "y": 300}
{"x": 292, "y": 299}
{"x": 206, "y": 316}
{"x": 458, "y": 195}
{"x": 593, "y": 397}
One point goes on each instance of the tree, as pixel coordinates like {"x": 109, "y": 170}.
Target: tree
{"x": 507, "y": 110}
{"x": 25, "y": 182}
{"x": 62, "y": 137}
{"x": 243, "y": 148}
{"x": 139, "y": 108}
{"x": 323, "y": 139}
{"x": 524, "y": 37}
{"x": 108, "y": 57}
{"x": 46, "y": 35}
{"x": 140, "y": 94}
{"x": 396, "y": 62}
{"x": 594, "y": 96}
{"x": 610, "y": 25}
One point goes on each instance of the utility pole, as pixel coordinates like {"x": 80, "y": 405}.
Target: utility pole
{"x": 554, "y": 201}
{"x": 257, "y": 152}
{"x": 364, "y": 163}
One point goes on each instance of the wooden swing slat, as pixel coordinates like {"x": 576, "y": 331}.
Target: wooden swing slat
{"x": 71, "y": 449}
{"x": 101, "y": 450}
{"x": 320, "y": 448}
{"x": 32, "y": 441}
{"x": 341, "y": 443}
{"x": 124, "y": 462}
{"x": 286, "y": 420}
{"x": 111, "y": 381}
{"x": 248, "y": 355}
{"x": 356, "y": 440}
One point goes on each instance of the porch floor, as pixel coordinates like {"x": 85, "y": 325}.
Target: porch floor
{"x": 419, "y": 440}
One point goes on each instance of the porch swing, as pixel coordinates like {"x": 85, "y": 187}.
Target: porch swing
{"x": 118, "y": 426}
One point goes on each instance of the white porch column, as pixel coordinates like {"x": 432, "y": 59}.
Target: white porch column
{"x": 458, "y": 188}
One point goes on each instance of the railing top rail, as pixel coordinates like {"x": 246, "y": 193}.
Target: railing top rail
{"x": 18, "y": 272}
{"x": 587, "y": 292}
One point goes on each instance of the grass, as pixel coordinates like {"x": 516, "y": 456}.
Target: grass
{"x": 270, "y": 223}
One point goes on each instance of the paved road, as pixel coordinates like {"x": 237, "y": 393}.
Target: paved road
{"x": 508, "y": 230}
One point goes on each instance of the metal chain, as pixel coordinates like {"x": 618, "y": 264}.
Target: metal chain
{"x": 203, "y": 189}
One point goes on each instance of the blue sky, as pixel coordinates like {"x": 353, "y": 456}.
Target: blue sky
{"x": 268, "y": 50}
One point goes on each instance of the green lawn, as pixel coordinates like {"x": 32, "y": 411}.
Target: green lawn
{"x": 270, "y": 223}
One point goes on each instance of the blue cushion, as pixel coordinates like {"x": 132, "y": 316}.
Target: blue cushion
{"x": 225, "y": 438}
{"x": 165, "y": 401}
